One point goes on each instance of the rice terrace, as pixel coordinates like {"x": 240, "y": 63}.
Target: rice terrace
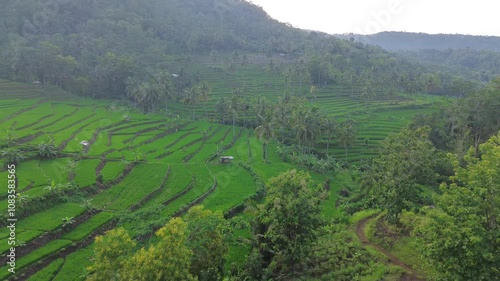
{"x": 139, "y": 144}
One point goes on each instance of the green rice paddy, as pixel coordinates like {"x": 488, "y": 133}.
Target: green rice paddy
{"x": 103, "y": 177}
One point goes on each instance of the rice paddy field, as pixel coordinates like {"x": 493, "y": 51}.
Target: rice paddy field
{"x": 137, "y": 170}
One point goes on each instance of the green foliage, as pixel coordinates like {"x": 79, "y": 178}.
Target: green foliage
{"x": 49, "y": 272}
{"x": 406, "y": 160}
{"x": 461, "y": 237}
{"x": 13, "y": 156}
{"x": 47, "y": 149}
{"x": 169, "y": 259}
{"x": 286, "y": 226}
{"x": 111, "y": 253}
{"x": 208, "y": 234}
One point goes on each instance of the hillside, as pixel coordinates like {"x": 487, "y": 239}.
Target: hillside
{"x": 407, "y": 41}
{"x": 93, "y": 48}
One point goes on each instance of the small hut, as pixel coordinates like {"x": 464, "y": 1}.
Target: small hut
{"x": 226, "y": 159}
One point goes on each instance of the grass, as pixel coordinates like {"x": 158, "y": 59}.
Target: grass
{"x": 50, "y": 219}
{"x": 49, "y": 272}
{"x": 57, "y": 117}
{"x": 75, "y": 264}
{"x": 84, "y": 229}
{"x": 36, "y": 255}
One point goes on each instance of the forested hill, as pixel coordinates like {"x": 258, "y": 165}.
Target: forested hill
{"x": 94, "y": 47}
{"x": 416, "y": 41}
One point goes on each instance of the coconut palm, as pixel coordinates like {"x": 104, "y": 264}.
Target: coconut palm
{"x": 264, "y": 133}
{"x": 281, "y": 116}
{"x": 347, "y": 134}
{"x": 47, "y": 150}
{"x": 222, "y": 108}
{"x": 260, "y": 107}
{"x": 191, "y": 98}
{"x": 235, "y": 105}
{"x": 13, "y": 155}
{"x": 204, "y": 94}
{"x": 328, "y": 128}
{"x": 306, "y": 123}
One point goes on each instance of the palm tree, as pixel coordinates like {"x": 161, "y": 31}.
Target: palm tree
{"x": 306, "y": 123}
{"x": 163, "y": 86}
{"x": 264, "y": 133}
{"x": 235, "y": 106}
{"x": 204, "y": 91}
{"x": 47, "y": 150}
{"x": 260, "y": 107}
{"x": 347, "y": 134}
{"x": 13, "y": 155}
{"x": 282, "y": 116}
{"x": 222, "y": 108}
{"x": 10, "y": 136}
{"x": 328, "y": 128}
{"x": 191, "y": 97}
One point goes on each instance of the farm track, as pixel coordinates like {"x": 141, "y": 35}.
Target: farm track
{"x": 152, "y": 194}
{"x": 57, "y": 120}
{"x": 410, "y": 275}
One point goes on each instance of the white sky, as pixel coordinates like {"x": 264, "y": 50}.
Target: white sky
{"x": 478, "y": 17}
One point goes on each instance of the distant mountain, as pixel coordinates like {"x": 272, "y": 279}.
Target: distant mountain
{"x": 98, "y": 48}
{"x": 395, "y": 41}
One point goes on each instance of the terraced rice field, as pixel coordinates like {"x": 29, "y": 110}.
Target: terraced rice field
{"x": 135, "y": 173}
{"x": 376, "y": 117}
{"x": 140, "y": 172}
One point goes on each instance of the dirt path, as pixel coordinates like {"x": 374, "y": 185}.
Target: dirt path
{"x": 410, "y": 275}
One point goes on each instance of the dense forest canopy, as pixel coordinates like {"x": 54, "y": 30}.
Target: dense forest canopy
{"x": 416, "y": 41}
{"x": 93, "y": 47}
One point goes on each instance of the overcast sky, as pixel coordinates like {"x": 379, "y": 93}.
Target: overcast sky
{"x": 479, "y": 17}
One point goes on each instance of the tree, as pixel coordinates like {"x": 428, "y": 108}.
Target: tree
{"x": 287, "y": 225}
{"x": 329, "y": 129}
{"x": 111, "y": 254}
{"x": 306, "y": 123}
{"x": 235, "y": 106}
{"x": 208, "y": 241}
{"x": 168, "y": 260}
{"x": 347, "y": 134}
{"x": 47, "y": 149}
{"x": 222, "y": 108}
{"x": 260, "y": 107}
{"x": 191, "y": 98}
{"x": 264, "y": 133}
{"x": 405, "y": 161}
{"x": 461, "y": 239}
{"x": 13, "y": 155}
{"x": 204, "y": 93}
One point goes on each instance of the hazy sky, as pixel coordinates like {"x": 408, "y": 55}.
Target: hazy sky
{"x": 478, "y": 17}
